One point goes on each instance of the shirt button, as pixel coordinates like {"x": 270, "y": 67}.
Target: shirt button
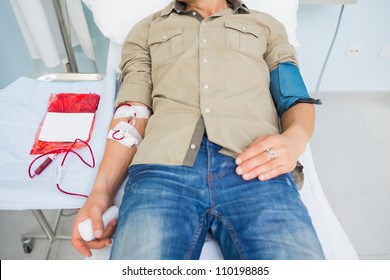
{"x": 164, "y": 37}
{"x": 207, "y": 110}
{"x": 244, "y": 28}
{"x": 194, "y": 13}
{"x": 193, "y": 146}
{"x": 204, "y": 23}
{"x": 205, "y": 61}
{"x": 204, "y": 41}
{"x": 206, "y": 86}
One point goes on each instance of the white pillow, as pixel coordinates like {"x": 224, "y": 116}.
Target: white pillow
{"x": 284, "y": 11}
{"x": 115, "y": 18}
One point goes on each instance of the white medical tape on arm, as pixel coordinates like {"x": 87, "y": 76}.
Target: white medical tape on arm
{"x": 126, "y": 134}
{"x": 129, "y": 111}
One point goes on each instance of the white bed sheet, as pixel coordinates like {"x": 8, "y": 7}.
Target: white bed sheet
{"x": 23, "y": 105}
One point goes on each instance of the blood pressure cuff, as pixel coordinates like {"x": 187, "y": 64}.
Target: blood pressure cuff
{"x": 288, "y": 88}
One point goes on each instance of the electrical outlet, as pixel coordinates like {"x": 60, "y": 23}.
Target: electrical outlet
{"x": 354, "y": 50}
{"x": 385, "y": 51}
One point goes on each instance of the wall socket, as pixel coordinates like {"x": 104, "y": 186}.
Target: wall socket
{"x": 354, "y": 50}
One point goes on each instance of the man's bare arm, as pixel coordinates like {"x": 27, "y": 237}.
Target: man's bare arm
{"x": 112, "y": 171}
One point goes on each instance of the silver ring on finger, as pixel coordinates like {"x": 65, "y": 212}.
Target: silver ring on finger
{"x": 271, "y": 153}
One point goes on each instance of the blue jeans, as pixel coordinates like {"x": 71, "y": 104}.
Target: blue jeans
{"x": 167, "y": 211}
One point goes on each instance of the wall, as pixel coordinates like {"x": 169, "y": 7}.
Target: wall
{"x": 367, "y": 24}
{"x": 15, "y": 60}
{"x": 14, "y": 57}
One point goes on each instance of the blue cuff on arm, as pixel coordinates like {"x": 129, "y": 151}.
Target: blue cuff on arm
{"x": 288, "y": 88}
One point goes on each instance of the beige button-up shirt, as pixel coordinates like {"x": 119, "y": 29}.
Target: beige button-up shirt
{"x": 203, "y": 75}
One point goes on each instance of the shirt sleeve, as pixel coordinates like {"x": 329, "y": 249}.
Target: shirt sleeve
{"x": 286, "y": 84}
{"x": 135, "y": 67}
{"x": 278, "y": 47}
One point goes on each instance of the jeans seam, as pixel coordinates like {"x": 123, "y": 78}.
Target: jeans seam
{"x": 233, "y": 235}
{"x": 195, "y": 239}
{"x": 210, "y": 177}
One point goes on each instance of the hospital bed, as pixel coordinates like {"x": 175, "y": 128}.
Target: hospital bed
{"x": 23, "y": 105}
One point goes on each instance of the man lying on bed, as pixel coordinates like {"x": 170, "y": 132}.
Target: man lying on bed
{"x": 218, "y": 79}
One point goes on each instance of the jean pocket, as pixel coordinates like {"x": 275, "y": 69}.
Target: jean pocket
{"x": 283, "y": 182}
{"x": 134, "y": 172}
{"x": 246, "y": 39}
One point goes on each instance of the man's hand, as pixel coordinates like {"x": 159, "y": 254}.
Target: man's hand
{"x": 94, "y": 211}
{"x": 272, "y": 155}
{"x": 256, "y": 161}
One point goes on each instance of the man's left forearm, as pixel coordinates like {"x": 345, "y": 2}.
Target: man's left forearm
{"x": 298, "y": 125}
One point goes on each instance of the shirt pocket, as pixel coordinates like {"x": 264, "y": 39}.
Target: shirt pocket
{"x": 245, "y": 38}
{"x": 165, "y": 44}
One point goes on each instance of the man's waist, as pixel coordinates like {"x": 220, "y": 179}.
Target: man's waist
{"x": 178, "y": 144}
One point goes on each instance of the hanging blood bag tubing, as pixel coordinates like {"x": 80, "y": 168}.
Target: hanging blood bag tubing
{"x": 66, "y": 103}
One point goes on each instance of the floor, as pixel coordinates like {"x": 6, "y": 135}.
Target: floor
{"x": 351, "y": 151}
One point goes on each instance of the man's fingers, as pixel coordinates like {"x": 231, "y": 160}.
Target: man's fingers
{"x": 273, "y": 173}
{"x": 79, "y": 243}
{"x": 260, "y": 145}
{"x": 99, "y": 243}
{"x": 81, "y": 247}
{"x": 267, "y": 157}
{"x": 85, "y": 247}
{"x": 97, "y": 224}
{"x": 255, "y": 162}
{"x": 109, "y": 231}
{"x": 105, "y": 240}
{"x": 261, "y": 169}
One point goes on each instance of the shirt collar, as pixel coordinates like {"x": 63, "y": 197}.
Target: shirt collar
{"x": 238, "y": 7}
